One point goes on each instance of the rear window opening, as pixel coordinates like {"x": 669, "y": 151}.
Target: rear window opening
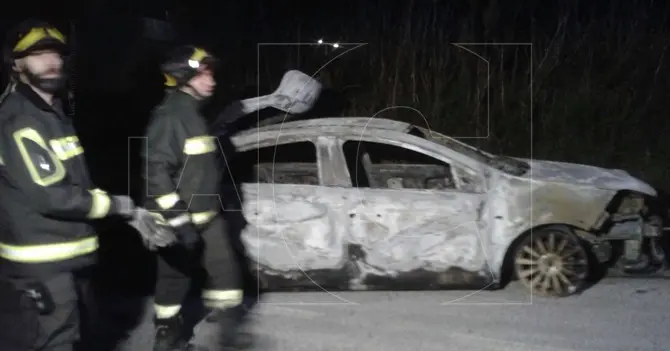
{"x": 294, "y": 163}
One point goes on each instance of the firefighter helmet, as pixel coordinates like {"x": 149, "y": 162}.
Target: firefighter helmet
{"x": 33, "y": 35}
{"x": 184, "y": 63}
{"x": 27, "y": 38}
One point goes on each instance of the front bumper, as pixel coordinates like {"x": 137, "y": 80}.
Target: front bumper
{"x": 633, "y": 228}
{"x": 634, "y": 231}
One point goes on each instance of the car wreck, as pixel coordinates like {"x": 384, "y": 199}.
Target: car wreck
{"x": 369, "y": 203}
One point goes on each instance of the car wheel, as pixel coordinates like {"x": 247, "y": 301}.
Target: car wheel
{"x": 552, "y": 262}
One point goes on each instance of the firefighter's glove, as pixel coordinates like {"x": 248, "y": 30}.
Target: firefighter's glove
{"x": 123, "y": 206}
{"x": 153, "y": 229}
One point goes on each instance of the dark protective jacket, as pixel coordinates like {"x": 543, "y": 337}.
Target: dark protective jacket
{"x": 47, "y": 199}
{"x": 182, "y": 176}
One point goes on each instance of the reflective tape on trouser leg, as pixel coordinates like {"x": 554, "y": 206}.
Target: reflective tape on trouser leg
{"x": 222, "y": 298}
{"x": 164, "y": 312}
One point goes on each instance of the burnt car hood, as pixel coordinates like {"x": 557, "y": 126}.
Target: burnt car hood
{"x": 585, "y": 175}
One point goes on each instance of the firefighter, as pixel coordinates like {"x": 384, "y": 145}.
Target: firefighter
{"x": 183, "y": 180}
{"x": 48, "y": 202}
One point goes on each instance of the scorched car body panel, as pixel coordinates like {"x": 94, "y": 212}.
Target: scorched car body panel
{"x": 445, "y": 226}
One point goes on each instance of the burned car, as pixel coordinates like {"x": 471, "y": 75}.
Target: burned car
{"x": 369, "y": 203}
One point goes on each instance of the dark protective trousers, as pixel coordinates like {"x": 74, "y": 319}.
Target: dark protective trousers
{"x": 22, "y": 328}
{"x": 250, "y": 281}
{"x": 211, "y": 266}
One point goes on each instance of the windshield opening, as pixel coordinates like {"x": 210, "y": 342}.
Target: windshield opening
{"x": 502, "y": 163}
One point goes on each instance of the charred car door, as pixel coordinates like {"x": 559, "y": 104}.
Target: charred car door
{"x": 291, "y": 232}
{"x": 411, "y": 217}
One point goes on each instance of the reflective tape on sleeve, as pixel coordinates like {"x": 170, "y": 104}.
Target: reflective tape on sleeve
{"x": 48, "y": 252}
{"x": 179, "y": 220}
{"x": 168, "y": 201}
{"x": 199, "y": 145}
{"x": 202, "y": 217}
{"x": 198, "y": 218}
{"x": 101, "y": 204}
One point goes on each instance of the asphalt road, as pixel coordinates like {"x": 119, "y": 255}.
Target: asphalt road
{"x": 616, "y": 314}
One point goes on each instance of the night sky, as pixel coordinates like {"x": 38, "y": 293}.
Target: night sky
{"x": 600, "y": 69}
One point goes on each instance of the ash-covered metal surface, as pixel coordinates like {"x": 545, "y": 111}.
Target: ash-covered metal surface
{"x": 369, "y": 221}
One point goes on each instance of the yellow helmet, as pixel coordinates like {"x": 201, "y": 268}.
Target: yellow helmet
{"x": 183, "y": 63}
{"x": 33, "y": 35}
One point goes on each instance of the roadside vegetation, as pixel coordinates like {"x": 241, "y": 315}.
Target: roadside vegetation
{"x": 597, "y": 73}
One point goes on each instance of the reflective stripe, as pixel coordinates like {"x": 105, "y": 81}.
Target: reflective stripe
{"x": 56, "y": 174}
{"x": 222, "y": 298}
{"x": 167, "y": 201}
{"x": 67, "y": 147}
{"x": 199, "y": 145}
{"x": 197, "y": 218}
{"x": 199, "y": 54}
{"x": 101, "y": 204}
{"x": 179, "y": 220}
{"x": 203, "y": 217}
{"x": 170, "y": 81}
{"x": 164, "y": 312}
{"x": 66, "y": 155}
{"x": 48, "y": 252}
{"x": 35, "y": 35}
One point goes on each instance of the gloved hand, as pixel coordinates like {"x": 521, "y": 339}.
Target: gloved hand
{"x": 123, "y": 206}
{"x": 153, "y": 229}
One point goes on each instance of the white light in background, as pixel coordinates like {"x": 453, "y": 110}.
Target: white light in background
{"x": 320, "y": 41}
{"x": 336, "y": 45}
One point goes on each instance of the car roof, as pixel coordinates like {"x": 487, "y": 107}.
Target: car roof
{"x": 319, "y": 125}
{"x": 343, "y": 125}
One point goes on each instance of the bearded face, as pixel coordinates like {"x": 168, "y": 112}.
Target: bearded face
{"x": 43, "y": 70}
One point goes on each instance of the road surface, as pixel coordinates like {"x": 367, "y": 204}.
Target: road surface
{"x": 616, "y": 314}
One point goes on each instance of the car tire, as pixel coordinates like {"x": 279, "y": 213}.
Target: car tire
{"x": 552, "y": 262}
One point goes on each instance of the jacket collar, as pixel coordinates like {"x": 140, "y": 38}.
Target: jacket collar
{"x": 26, "y": 91}
{"x": 182, "y": 95}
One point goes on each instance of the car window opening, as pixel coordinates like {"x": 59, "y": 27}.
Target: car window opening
{"x": 384, "y": 166}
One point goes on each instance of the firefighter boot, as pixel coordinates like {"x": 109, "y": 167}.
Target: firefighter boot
{"x": 233, "y": 332}
{"x": 170, "y": 334}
